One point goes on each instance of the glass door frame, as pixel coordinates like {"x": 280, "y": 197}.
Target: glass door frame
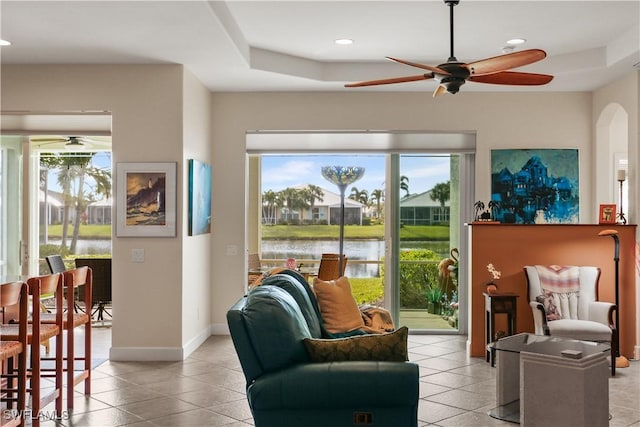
{"x": 266, "y": 142}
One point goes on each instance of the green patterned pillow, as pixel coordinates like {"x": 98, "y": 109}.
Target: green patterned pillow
{"x": 390, "y": 347}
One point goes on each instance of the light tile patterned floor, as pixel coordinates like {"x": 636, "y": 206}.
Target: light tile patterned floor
{"x": 207, "y": 389}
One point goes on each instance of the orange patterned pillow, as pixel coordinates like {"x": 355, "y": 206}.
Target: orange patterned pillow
{"x": 338, "y": 308}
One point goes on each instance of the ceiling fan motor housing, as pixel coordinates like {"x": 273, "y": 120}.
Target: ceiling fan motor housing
{"x": 458, "y": 75}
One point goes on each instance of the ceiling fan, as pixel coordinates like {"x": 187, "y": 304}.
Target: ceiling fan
{"x": 70, "y": 142}
{"x": 453, "y": 74}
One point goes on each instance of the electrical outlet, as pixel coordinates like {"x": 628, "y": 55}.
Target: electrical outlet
{"x": 137, "y": 255}
{"x": 232, "y": 250}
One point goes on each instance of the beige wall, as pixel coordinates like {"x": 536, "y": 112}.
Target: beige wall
{"x": 165, "y": 306}
{"x": 146, "y": 103}
{"x": 501, "y": 120}
{"x": 623, "y": 94}
{"x": 196, "y": 250}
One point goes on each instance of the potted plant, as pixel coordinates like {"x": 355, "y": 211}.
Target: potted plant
{"x": 434, "y": 300}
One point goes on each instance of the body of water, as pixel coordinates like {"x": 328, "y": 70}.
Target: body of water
{"x": 87, "y": 246}
{"x": 356, "y": 250}
{"x": 361, "y": 250}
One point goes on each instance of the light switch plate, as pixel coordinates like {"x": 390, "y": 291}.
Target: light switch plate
{"x": 137, "y": 255}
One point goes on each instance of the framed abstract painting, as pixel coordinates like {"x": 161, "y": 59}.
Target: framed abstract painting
{"x": 199, "y": 197}
{"x": 535, "y": 186}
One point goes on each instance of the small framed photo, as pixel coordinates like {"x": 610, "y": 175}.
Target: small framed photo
{"x": 146, "y": 199}
{"x": 607, "y": 214}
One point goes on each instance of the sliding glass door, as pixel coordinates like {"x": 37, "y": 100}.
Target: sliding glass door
{"x": 402, "y": 227}
{"x": 12, "y": 249}
{"x": 54, "y": 199}
{"x": 428, "y": 212}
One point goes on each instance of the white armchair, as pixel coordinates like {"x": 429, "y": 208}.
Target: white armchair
{"x": 577, "y": 315}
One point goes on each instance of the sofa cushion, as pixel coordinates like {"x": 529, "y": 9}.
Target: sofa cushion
{"x": 323, "y": 387}
{"x": 389, "y": 347}
{"x": 584, "y": 330}
{"x": 339, "y": 310}
{"x": 260, "y": 278}
{"x": 275, "y": 327}
{"x": 292, "y": 285}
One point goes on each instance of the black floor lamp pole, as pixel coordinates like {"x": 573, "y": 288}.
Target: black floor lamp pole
{"x": 341, "y": 229}
{"x": 342, "y": 176}
{"x": 621, "y": 361}
{"x": 616, "y": 259}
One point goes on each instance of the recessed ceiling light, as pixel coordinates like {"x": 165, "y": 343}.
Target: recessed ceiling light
{"x": 344, "y": 41}
{"x": 516, "y": 41}
{"x": 4, "y": 42}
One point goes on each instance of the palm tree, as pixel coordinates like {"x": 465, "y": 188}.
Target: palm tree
{"x": 377, "y": 196}
{"x": 404, "y": 184}
{"x": 441, "y": 192}
{"x": 102, "y": 178}
{"x": 478, "y": 206}
{"x": 74, "y": 170}
{"x": 494, "y": 207}
{"x": 361, "y": 196}
{"x": 294, "y": 199}
{"x": 270, "y": 202}
{"x": 313, "y": 193}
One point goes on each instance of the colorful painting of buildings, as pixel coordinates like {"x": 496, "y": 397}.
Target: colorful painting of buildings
{"x": 535, "y": 186}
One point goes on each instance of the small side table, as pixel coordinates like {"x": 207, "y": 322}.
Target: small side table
{"x": 504, "y": 303}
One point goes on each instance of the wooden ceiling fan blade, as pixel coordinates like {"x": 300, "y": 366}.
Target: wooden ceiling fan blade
{"x": 506, "y": 62}
{"x": 418, "y": 65}
{"x": 390, "y": 81}
{"x": 513, "y": 78}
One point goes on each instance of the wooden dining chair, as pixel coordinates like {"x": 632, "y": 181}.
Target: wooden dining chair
{"x": 75, "y": 279}
{"x": 330, "y": 267}
{"x": 14, "y": 383}
{"x": 254, "y": 269}
{"x": 38, "y": 332}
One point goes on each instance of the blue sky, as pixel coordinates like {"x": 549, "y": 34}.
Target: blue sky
{"x": 101, "y": 160}
{"x": 280, "y": 172}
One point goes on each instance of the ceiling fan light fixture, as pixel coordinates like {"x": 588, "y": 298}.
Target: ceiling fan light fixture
{"x": 344, "y": 42}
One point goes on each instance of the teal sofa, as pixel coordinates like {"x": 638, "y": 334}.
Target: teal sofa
{"x": 285, "y": 389}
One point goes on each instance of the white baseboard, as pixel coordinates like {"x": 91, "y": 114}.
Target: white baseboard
{"x": 636, "y": 352}
{"x": 219, "y": 329}
{"x": 196, "y": 342}
{"x": 146, "y": 354}
{"x": 166, "y": 354}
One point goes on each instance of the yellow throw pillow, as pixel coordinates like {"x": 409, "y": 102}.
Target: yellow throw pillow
{"x": 338, "y": 308}
{"x": 389, "y": 347}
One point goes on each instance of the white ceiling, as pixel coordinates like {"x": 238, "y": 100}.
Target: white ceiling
{"x": 289, "y": 45}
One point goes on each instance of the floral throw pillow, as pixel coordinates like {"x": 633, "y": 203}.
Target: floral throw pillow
{"x": 390, "y": 347}
{"x": 550, "y": 309}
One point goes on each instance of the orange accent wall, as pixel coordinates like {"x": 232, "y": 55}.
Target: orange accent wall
{"x": 511, "y": 246}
